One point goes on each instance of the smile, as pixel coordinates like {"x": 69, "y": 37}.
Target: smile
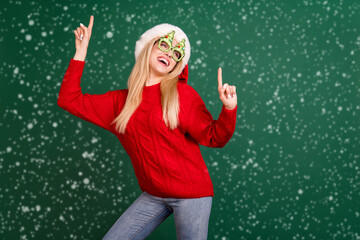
{"x": 163, "y": 61}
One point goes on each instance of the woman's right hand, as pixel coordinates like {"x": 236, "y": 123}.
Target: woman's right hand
{"x": 82, "y": 36}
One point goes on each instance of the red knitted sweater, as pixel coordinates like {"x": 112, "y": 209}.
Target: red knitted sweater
{"x": 167, "y": 163}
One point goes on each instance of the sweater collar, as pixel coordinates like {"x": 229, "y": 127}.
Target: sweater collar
{"x": 151, "y": 90}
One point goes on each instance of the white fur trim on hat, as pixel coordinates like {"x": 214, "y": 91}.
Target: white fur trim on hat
{"x": 159, "y": 31}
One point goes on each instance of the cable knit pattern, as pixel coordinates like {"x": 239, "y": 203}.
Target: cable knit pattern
{"x": 167, "y": 163}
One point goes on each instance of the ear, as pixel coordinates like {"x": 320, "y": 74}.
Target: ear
{"x": 183, "y": 77}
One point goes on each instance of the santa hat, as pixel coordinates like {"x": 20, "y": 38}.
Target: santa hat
{"x": 183, "y": 77}
{"x": 159, "y": 31}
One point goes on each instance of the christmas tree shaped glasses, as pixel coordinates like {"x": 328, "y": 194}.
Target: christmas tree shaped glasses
{"x": 165, "y": 45}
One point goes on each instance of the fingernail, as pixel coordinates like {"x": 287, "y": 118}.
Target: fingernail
{"x": 81, "y": 24}
{"x": 81, "y": 35}
{"x": 228, "y": 95}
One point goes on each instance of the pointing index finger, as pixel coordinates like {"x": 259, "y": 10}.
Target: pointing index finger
{"x": 91, "y": 22}
{"x": 219, "y": 78}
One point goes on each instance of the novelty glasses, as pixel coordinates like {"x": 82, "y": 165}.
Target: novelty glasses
{"x": 165, "y": 45}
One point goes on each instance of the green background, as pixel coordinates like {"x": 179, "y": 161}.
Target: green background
{"x": 291, "y": 169}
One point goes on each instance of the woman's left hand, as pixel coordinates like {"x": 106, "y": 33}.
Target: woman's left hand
{"x": 227, "y": 93}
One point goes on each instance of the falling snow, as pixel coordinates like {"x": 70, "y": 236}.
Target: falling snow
{"x": 291, "y": 169}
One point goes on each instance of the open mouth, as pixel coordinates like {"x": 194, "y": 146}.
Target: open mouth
{"x": 163, "y": 61}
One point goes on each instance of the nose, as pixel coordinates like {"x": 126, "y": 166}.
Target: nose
{"x": 168, "y": 53}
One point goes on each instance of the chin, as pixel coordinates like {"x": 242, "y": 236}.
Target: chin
{"x": 162, "y": 71}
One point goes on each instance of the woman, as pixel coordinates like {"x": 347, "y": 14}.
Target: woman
{"x": 160, "y": 122}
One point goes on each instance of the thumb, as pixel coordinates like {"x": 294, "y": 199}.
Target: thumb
{"x": 77, "y": 40}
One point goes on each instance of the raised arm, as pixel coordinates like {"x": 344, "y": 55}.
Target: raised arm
{"x": 200, "y": 123}
{"x": 98, "y": 109}
{"x": 207, "y": 131}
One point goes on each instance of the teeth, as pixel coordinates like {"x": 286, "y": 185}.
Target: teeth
{"x": 162, "y": 59}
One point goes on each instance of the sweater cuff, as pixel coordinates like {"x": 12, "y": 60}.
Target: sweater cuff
{"x": 228, "y": 115}
{"x": 72, "y": 59}
{"x": 76, "y": 65}
{"x": 228, "y": 110}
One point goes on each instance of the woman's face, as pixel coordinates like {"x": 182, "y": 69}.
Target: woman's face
{"x": 161, "y": 63}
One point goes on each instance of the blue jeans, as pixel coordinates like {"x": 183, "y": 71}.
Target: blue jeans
{"x": 147, "y": 212}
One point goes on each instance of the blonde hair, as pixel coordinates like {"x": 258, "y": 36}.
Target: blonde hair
{"x": 136, "y": 82}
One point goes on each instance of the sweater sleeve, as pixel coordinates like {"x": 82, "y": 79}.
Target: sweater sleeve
{"x": 98, "y": 109}
{"x": 207, "y": 131}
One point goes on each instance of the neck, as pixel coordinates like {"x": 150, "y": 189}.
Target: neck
{"x": 153, "y": 79}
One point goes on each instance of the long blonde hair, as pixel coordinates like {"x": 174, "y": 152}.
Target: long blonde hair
{"x": 136, "y": 82}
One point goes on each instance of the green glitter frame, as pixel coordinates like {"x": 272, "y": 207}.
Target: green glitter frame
{"x": 180, "y": 47}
